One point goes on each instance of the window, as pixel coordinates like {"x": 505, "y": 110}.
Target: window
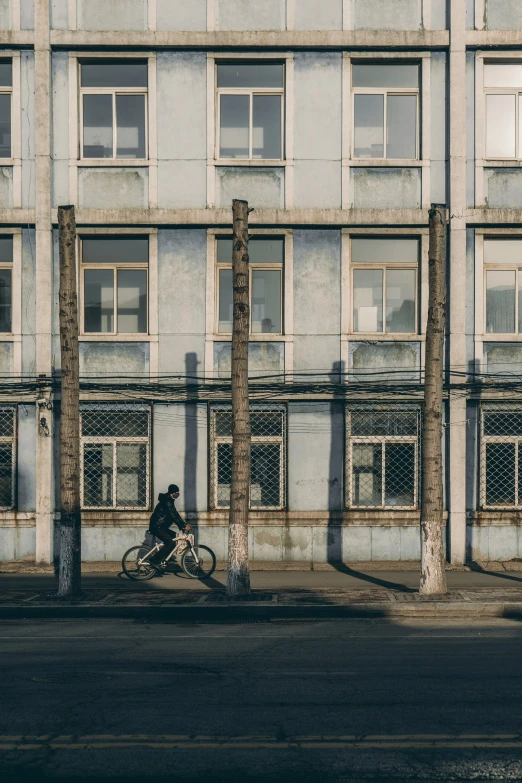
{"x": 503, "y": 88}
{"x": 385, "y": 111}
{"x": 266, "y": 285}
{"x": 114, "y": 109}
{"x": 250, "y": 106}
{"x": 383, "y": 458}
{"x": 7, "y": 456}
{"x": 6, "y": 84}
{"x": 503, "y": 285}
{"x": 501, "y": 457}
{"x": 268, "y": 470}
{"x": 115, "y": 470}
{"x": 114, "y": 276}
{"x": 384, "y": 275}
{"x": 6, "y": 283}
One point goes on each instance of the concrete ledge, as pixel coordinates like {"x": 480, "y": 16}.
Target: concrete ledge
{"x": 486, "y": 38}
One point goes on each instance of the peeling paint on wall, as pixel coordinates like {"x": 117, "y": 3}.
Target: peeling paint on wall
{"x": 260, "y": 187}
{"x": 503, "y": 188}
{"x": 401, "y": 359}
{"x": 386, "y": 188}
{"x": 263, "y": 359}
{"x": 106, "y": 360}
{"x": 113, "y": 188}
{"x": 503, "y": 358}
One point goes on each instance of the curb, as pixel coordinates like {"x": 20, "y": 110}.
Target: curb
{"x": 253, "y": 611}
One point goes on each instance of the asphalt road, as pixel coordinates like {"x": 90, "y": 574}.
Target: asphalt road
{"x": 350, "y": 700}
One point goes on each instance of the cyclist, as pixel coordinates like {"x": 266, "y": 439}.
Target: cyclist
{"x": 164, "y": 516}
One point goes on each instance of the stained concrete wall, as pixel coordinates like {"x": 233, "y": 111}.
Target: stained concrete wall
{"x": 439, "y": 15}
{"x": 470, "y": 129}
{"x": 26, "y": 464}
{"x": 438, "y": 143}
{"x": 250, "y": 15}
{"x": 400, "y": 359}
{"x": 27, "y": 14}
{"x": 112, "y": 14}
{"x": 6, "y": 187}
{"x": 503, "y": 15}
{"x": 494, "y": 542}
{"x": 263, "y": 359}
{"x": 6, "y": 359}
{"x": 386, "y": 188}
{"x": 182, "y": 273}
{"x": 470, "y": 14}
{"x": 182, "y": 130}
{"x": 503, "y": 358}
{"x": 17, "y": 543}
{"x": 110, "y": 360}
{"x": 113, "y": 188}
{"x": 311, "y": 15}
{"x": 318, "y": 124}
{"x": 5, "y": 14}
{"x": 59, "y": 14}
{"x": 60, "y": 135}
{"x": 263, "y": 187}
{"x": 28, "y": 302}
{"x": 28, "y": 128}
{"x": 503, "y": 188}
{"x": 181, "y": 15}
{"x": 387, "y": 14}
{"x": 317, "y": 301}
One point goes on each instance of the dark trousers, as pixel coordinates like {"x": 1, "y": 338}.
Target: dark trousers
{"x": 167, "y": 536}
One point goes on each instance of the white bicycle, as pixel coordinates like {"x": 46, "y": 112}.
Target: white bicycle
{"x": 197, "y": 561}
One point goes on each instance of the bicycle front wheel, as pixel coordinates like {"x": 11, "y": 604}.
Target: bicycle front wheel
{"x": 133, "y": 566}
{"x": 198, "y": 562}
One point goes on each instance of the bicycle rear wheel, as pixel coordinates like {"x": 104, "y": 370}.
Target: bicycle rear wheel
{"x": 202, "y": 565}
{"x": 133, "y": 567}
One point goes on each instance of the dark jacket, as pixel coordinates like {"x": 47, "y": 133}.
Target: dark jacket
{"x": 165, "y": 514}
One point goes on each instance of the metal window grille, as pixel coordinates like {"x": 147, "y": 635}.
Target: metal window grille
{"x": 268, "y": 470}
{"x": 382, "y": 464}
{"x": 115, "y": 458}
{"x": 8, "y": 433}
{"x": 501, "y": 457}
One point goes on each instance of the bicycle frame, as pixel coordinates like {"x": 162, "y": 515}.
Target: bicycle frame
{"x": 188, "y": 539}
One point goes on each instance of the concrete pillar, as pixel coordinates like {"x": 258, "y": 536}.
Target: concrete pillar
{"x": 456, "y": 473}
{"x": 44, "y": 295}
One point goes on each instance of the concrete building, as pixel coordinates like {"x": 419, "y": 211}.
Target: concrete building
{"x": 340, "y": 121}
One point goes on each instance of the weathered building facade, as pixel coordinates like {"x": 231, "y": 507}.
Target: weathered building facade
{"x": 340, "y": 121}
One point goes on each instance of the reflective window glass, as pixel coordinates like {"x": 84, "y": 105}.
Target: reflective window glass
{"x": 115, "y": 74}
{"x": 132, "y": 301}
{"x": 267, "y": 124}
{"x": 234, "y": 126}
{"x": 98, "y": 292}
{"x": 97, "y": 126}
{"x": 500, "y": 126}
{"x": 226, "y": 304}
{"x": 369, "y": 126}
{"x": 402, "y": 126}
{"x": 130, "y": 126}
{"x": 500, "y": 302}
{"x": 385, "y": 251}
{"x": 6, "y": 73}
{"x": 6, "y": 249}
{"x": 385, "y": 75}
{"x": 250, "y": 75}
{"x": 5, "y": 299}
{"x": 266, "y": 301}
{"x": 400, "y": 300}
{"x": 503, "y": 251}
{"x": 503, "y": 75}
{"x": 5, "y": 126}
{"x": 116, "y": 250}
{"x": 367, "y": 300}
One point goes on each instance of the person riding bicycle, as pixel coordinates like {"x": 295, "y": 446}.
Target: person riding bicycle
{"x": 164, "y": 516}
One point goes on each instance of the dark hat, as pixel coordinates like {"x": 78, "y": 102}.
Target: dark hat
{"x": 173, "y": 488}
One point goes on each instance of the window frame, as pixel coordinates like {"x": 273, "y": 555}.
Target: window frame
{"x": 253, "y": 266}
{"x": 216, "y": 440}
{"x": 516, "y": 440}
{"x": 385, "y": 266}
{"x": 514, "y": 91}
{"x": 13, "y": 440}
{"x": 115, "y": 267}
{"x": 250, "y": 91}
{"x": 386, "y": 92}
{"x": 114, "y": 440}
{"x": 381, "y": 440}
{"x": 114, "y": 92}
{"x": 4, "y": 90}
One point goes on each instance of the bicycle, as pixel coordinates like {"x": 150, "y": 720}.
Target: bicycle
{"x": 197, "y": 561}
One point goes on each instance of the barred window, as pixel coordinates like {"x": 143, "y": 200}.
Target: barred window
{"x": 7, "y": 457}
{"x": 501, "y": 457}
{"x": 115, "y": 453}
{"x": 268, "y": 469}
{"x": 382, "y": 458}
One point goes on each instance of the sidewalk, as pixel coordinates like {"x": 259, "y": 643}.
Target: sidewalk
{"x": 347, "y": 592}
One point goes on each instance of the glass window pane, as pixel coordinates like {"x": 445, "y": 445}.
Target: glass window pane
{"x": 503, "y": 251}
{"x": 127, "y": 250}
{"x": 385, "y": 251}
{"x": 224, "y": 474}
{"x": 131, "y": 474}
{"x": 367, "y": 300}
{"x": 98, "y": 294}
{"x": 500, "y": 126}
{"x": 500, "y": 474}
{"x": 369, "y": 126}
{"x": 266, "y": 134}
{"x": 265, "y": 486}
{"x": 234, "y": 126}
{"x": 6, "y": 475}
{"x": 250, "y": 75}
{"x": 500, "y": 302}
{"x": 115, "y": 423}
{"x": 402, "y": 126}
{"x": 5, "y": 300}
{"x": 366, "y": 474}
{"x": 266, "y": 301}
{"x": 5, "y": 126}
{"x": 97, "y": 474}
{"x": 502, "y": 75}
{"x": 130, "y": 126}
{"x": 226, "y": 303}
{"x": 115, "y": 74}
{"x": 261, "y": 251}
{"x": 520, "y": 303}
{"x": 132, "y": 301}
{"x": 372, "y": 423}
{"x": 400, "y": 300}
{"x": 6, "y": 74}
{"x": 6, "y": 249}
{"x": 388, "y": 75}
{"x": 399, "y": 482}
{"x": 265, "y": 424}
{"x": 97, "y": 126}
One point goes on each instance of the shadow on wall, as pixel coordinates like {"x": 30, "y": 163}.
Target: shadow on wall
{"x": 191, "y": 435}
{"x": 335, "y": 493}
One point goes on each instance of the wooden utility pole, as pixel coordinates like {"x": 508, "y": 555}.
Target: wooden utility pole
{"x": 238, "y": 574}
{"x": 433, "y": 574}
{"x": 70, "y": 520}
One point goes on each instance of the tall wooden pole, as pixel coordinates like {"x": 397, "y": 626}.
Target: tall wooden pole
{"x": 238, "y": 574}
{"x": 70, "y": 520}
{"x": 433, "y": 574}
